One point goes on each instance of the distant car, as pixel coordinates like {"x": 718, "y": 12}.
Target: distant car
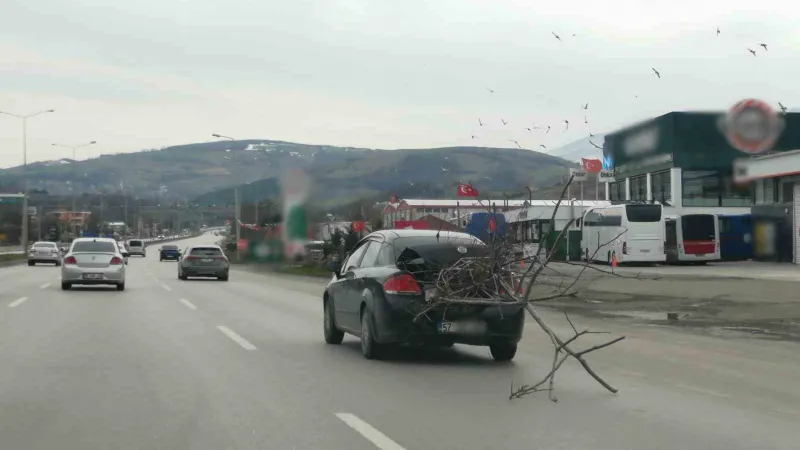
{"x": 123, "y": 251}
{"x": 203, "y": 261}
{"x": 44, "y": 252}
{"x": 170, "y": 252}
{"x": 93, "y": 261}
{"x": 136, "y": 247}
{"x": 382, "y": 287}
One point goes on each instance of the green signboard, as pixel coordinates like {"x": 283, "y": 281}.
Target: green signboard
{"x": 11, "y": 199}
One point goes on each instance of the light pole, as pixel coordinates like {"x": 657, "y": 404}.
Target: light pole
{"x": 236, "y": 210}
{"x": 74, "y": 148}
{"x": 25, "y": 170}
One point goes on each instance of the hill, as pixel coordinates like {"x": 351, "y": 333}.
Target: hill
{"x": 207, "y": 172}
{"x": 581, "y": 148}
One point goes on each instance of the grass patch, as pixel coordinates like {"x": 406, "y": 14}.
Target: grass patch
{"x": 13, "y": 257}
{"x": 307, "y": 271}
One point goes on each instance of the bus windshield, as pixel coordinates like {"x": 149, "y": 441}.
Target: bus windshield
{"x": 643, "y": 213}
{"x": 698, "y": 227}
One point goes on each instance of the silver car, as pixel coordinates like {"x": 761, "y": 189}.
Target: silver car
{"x": 44, "y": 252}
{"x": 93, "y": 261}
{"x": 203, "y": 261}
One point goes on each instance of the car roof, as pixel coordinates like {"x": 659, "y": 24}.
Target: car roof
{"x": 92, "y": 239}
{"x": 44, "y": 242}
{"x": 390, "y": 235}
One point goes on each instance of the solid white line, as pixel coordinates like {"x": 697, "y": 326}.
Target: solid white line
{"x": 44, "y": 286}
{"x": 166, "y": 287}
{"x": 236, "y": 338}
{"x": 188, "y": 304}
{"x": 17, "y": 302}
{"x": 368, "y": 431}
{"x": 702, "y": 391}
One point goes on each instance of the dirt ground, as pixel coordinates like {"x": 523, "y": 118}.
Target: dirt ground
{"x": 698, "y": 298}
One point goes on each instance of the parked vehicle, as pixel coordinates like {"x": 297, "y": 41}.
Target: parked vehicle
{"x": 388, "y": 279}
{"x": 692, "y": 238}
{"x": 203, "y": 261}
{"x": 170, "y": 252}
{"x": 44, "y": 252}
{"x": 736, "y": 237}
{"x": 93, "y": 261}
{"x": 625, "y": 232}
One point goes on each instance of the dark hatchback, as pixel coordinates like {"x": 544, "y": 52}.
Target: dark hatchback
{"x": 383, "y": 284}
{"x": 169, "y": 252}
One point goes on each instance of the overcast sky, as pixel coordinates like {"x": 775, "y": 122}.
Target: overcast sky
{"x": 376, "y": 73}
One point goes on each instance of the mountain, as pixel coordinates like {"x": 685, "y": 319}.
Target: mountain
{"x": 428, "y": 173}
{"x": 207, "y": 172}
{"x": 581, "y": 148}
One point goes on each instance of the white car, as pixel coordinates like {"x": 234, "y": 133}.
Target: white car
{"x": 136, "y": 247}
{"x": 93, "y": 261}
{"x": 44, "y": 252}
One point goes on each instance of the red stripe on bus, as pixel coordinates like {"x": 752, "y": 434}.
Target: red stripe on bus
{"x": 696, "y": 247}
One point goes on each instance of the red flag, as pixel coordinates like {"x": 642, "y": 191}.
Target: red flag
{"x": 592, "y": 165}
{"x": 466, "y": 190}
{"x": 358, "y": 226}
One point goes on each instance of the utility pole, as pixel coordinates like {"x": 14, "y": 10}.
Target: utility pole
{"x": 237, "y": 216}
{"x": 255, "y": 219}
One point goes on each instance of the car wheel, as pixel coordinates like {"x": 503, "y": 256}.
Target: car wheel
{"x": 181, "y": 276}
{"x": 65, "y": 286}
{"x": 58, "y": 264}
{"x": 223, "y": 278}
{"x": 121, "y": 287}
{"x": 369, "y": 348}
{"x": 332, "y": 334}
{"x": 503, "y": 352}
{"x": 30, "y": 263}
{"x": 160, "y": 259}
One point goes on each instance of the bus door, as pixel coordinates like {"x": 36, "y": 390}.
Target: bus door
{"x": 699, "y": 236}
{"x": 671, "y": 243}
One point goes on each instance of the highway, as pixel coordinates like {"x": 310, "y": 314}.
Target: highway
{"x": 197, "y": 364}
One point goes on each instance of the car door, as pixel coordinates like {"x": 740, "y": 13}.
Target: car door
{"x": 348, "y": 303}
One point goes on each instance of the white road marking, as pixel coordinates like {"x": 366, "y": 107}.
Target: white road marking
{"x": 236, "y": 338}
{"x": 166, "y": 287}
{"x": 17, "y": 302}
{"x": 44, "y": 286}
{"x": 702, "y": 391}
{"x": 188, "y": 304}
{"x": 368, "y": 431}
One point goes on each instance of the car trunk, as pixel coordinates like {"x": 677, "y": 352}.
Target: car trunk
{"x": 90, "y": 260}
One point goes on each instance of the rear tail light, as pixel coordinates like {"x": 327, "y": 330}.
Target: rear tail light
{"x": 191, "y": 258}
{"x": 115, "y": 261}
{"x": 70, "y": 260}
{"x": 402, "y": 284}
{"x": 624, "y": 248}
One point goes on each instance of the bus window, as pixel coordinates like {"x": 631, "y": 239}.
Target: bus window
{"x": 643, "y": 213}
{"x": 698, "y": 227}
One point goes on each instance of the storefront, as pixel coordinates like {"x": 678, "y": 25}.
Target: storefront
{"x": 684, "y": 161}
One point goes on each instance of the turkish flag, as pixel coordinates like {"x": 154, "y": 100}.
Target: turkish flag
{"x": 358, "y": 226}
{"x": 466, "y": 190}
{"x": 592, "y": 165}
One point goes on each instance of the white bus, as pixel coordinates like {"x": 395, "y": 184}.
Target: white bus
{"x": 627, "y": 232}
{"x": 692, "y": 238}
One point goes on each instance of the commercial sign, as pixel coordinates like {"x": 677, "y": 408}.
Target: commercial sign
{"x": 751, "y": 126}
{"x": 645, "y": 163}
{"x": 641, "y": 142}
{"x": 578, "y": 175}
{"x": 606, "y": 176}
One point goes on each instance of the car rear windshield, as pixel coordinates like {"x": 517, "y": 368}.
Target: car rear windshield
{"x": 699, "y": 227}
{"x": 206, "y": 251}
{"x": 169, "y": 247}
{"x": 425, "y": 256}
{"x": 643, "y": 213}
{"x": 135, "y": 243}
{"x": 94, "y": 247}
{"x": 44, "y": 245}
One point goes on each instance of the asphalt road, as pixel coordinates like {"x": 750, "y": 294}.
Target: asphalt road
{"x": 169, "y": 364}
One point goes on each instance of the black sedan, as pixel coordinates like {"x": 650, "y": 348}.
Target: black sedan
{"x": 169, "y": 252}
{"x": 384, "y": 283}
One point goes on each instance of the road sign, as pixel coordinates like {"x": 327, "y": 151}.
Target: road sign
{"x": 32, "y": 210}
{"x": 578, "y": 175}
{"x": 241, "y": 245}
{"x": 751, "y": 126}
{"x": 11, "y": 199}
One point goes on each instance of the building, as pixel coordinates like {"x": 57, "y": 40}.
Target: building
{"x": 448, "y": 210}
{"x": 683, "y": 160}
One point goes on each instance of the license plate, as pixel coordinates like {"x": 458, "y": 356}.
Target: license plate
{"x": 93, "y": 276}
{"x": 645, "y": 251}
{"x": 700, "y": 254}
{"x": 206, "y": 260}
{"x": 462, "y": 327}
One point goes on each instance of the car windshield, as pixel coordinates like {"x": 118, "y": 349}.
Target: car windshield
{"x": 206, "y": 251}
{"x": 94, "y": 247}
{"x": 425, "y": 256}
{"x": 135, "y": 243}
{"x": 44, "y": 245}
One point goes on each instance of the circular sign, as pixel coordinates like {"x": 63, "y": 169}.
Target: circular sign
{"x": 752, "y": 126}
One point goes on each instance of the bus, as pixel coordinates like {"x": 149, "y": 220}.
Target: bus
{"x": 692, "y": 238}
{"x": 735, "y": 237}
{"x": 625, "y": 232}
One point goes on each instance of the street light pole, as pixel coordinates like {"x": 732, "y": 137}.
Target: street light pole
{"x": 74, "y": 149}
{"x": 25, "y": 171}
{"x": 236, "y": 206}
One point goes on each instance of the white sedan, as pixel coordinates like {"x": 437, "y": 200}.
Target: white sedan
{"x": 93, "y": 261}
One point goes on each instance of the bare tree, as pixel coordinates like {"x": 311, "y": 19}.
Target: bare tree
{"x": 492, "y": 281}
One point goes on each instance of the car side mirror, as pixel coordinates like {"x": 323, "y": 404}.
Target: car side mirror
{"x": 334, "y": 266}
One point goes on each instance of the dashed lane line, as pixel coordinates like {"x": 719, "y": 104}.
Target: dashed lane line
{"x": 188, "y": 304}
{"x": 369, "y": 432}
{"x": 236, "y": 338}
{"x": 17, "y": 302}
{"x": 167, "y": 288}
{"x": 44, "y": 286}
{"x": 702, "y": 391}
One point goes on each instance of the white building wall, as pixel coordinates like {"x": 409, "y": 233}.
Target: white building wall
{"x": 649, "y": 178}
{"x": 676, "y": 186}
{"x": 627, "y": 188}
{"x": 796, "y": 223}
{"x": 760, "y": 192}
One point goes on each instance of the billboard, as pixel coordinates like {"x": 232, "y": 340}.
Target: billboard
{"x": 578, "y": 175}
